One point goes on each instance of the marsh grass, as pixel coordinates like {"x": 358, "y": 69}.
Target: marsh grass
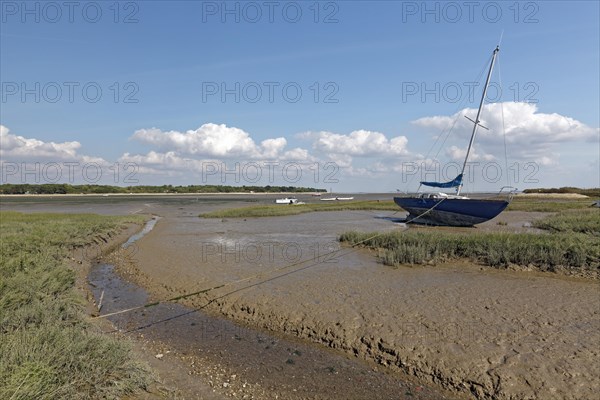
{"x": 285, "y": 209}
{"x": 273, "y": 210}
{"x": 541, "y": 204}
{"x": 583, "y": 221}
{"x": 573, "y": 244}
{"x": 48, "y": 350}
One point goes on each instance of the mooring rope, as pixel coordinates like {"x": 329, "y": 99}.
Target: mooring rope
{"x": 231, "y": 283}
{"x": 260, "y": 274}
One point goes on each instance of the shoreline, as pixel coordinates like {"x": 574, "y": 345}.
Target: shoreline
{"x": 522, "y": 195}
{"x": 155, "y": 194}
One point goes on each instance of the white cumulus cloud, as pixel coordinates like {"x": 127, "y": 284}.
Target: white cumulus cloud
{"x": 218, "y": 141}
{"x": 530, "y": 135}
{"x": 21, "y": 149}
{"x": 459, "y": 154}
{"x": 211, "y": 147}
{"x": 358, "y": 143}
{"x": 343, "y": 149}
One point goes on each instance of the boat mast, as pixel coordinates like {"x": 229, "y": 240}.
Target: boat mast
{"x": 476, "y": 122}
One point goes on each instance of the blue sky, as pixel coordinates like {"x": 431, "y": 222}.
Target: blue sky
{"x": 355, "y": 63}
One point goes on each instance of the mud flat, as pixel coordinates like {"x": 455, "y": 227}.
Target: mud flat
{"x": 472, "y": 330}
{"x": 216, "y": 358}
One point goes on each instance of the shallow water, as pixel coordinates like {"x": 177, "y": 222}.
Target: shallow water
{"x": 147, "y": 228}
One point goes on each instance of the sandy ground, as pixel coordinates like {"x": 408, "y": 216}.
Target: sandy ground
{"x": 473, "y": 330}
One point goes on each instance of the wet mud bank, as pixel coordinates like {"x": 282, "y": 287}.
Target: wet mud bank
{"x": 493, "y": 348}
{"x": 233, "y": 359}
{"x": 480, "y": 333}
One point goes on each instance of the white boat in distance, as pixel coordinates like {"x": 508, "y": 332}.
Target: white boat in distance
{"x": 337, "y": 199}
{"x": 286, "y": 200}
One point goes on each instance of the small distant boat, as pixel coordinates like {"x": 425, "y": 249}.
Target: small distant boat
{"x": 337, "y": 199}
{"x": 286, "y": 200}
{"x": 316, "y": 194}
{"x": 448, "y": 209}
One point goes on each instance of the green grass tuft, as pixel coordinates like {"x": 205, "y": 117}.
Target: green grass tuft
{"x": 573, "y": 244}
{"x": 48, "y": 350}
{"x": 547, "y": 205}
{"x": 583, "y": 221}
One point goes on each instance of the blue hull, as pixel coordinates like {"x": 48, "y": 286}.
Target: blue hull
{"x": 450, "y": 212}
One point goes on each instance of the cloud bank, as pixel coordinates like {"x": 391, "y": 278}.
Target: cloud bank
{"x": 531, "y": 136}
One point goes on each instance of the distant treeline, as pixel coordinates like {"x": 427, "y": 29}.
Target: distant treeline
{"x": 593, "y": 192}
{"x": 106, "y": 189}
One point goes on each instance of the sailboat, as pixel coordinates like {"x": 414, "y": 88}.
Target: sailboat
{"x": 449, "y": 209}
